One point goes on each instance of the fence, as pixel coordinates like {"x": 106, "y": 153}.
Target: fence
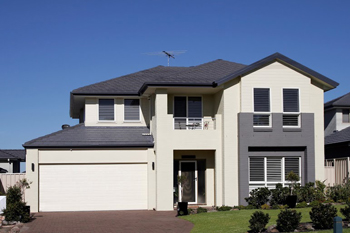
{"x": 9, "y": 179}
{"x": 336, "y": 171}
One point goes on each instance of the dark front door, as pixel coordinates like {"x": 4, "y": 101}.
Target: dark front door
{"x": 189, "y": 187}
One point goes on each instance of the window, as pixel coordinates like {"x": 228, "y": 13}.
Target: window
{"x": 106, "y": 109}
{"x": 262, "y": 113}
{"x": 291, "y": 112}
{"x": 346, "y": 116}
{"x": 269, "y": 171}
{"x": 131, "y": 109}
{"x": 187, "y": 112}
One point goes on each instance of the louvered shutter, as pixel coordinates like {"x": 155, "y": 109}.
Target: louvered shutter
{"x": 180, "y": 107}
{"x": 273, "y": 169}
{"x": 106, "y": 109}
{"x": 290, "y": 100}
{"x": 261, "y": 100}
{"x": 291, "y": 164}
{"x": 257, "y": 169}
{"x": 132, "y": 109}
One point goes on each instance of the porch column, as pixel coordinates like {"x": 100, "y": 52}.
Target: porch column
{"x": 163, "y": 152}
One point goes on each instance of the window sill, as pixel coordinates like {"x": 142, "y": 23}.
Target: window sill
{"x": 291, "y": 129}
{"x": 131, "y": 121}
{"x": 107, "y": 121}
{"x": 263, "y": 129}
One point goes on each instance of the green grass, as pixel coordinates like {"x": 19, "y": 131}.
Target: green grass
{"x": 238, "y": 220}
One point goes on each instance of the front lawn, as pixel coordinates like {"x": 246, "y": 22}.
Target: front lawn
{"x": 238, "y": 220}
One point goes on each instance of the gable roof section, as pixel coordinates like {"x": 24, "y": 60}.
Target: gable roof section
{"x": 13, "y": 154}
{"x": 282, "y": 59}
{"x": 338, "y": 137}
{"x": 342, "y": 101}
{"x": 80, "y": 136}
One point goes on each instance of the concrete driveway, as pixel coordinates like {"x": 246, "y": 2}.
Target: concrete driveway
{"x": 107, "y": 221}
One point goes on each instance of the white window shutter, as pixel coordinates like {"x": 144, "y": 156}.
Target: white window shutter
{"x": 257, "y": 169}
{"x": 274, "y": 172}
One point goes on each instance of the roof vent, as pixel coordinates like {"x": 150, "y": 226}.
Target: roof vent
{"x": 334, "y": 131}
{"x": 65, "y": 126}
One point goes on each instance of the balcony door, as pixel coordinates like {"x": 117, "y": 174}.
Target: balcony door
{"x": 190, "y": 186}
{"x": 187, "y": 112}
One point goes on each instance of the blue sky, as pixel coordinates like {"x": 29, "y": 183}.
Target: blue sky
{"x": 49, "y": 48}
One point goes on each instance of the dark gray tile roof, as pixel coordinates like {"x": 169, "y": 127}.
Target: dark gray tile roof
{"x": 80, "y": 136}
{"x": 338, "y": 137}
{"x": 13, "y": 154}
{"x": 342, "y": 101}
{"x": 131, "y": 84}
{"x": 212, "y": 73}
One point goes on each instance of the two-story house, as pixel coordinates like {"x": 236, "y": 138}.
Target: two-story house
{"x": 337, "y": 139}
{"x": 227, "y": 127}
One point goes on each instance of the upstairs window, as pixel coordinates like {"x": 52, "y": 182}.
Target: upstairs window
{"x": 291, "y": 111}
{"x": 106, "y": 109}
{"x": 187, "y": 112}
{"x": 346, "y": 116}
{"x": 262, "y": 114}
{"x": 131, "y": 109}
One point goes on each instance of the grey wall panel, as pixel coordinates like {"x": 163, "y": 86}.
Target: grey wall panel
{"x": 275, "y": 142}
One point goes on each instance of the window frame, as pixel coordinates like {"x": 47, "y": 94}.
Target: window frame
{"x": 139, "y": 110}
{"x": 262, "y": 113}
{"x": 266, "y": 183}
{"x": 342, "y": 115}
{"x": 292, "y": 113}
{"x": 114, "y": 110}
{"x": 187, "y": 117}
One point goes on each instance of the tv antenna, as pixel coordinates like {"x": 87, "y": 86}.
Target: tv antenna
{"x": 169, "y": 54}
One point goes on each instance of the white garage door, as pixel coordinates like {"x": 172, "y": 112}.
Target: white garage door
{"x": 92, "y": 187}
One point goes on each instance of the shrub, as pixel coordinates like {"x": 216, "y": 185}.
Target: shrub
{"x": 322, "y": 216}
{"x": 223, "y": 208}
{"x": 346, "y": 212}
{"x": 306, "y": 193}
{"x": 258, "y": 221}
{"x": 288, "y": 220}
{"x": 338, "y": 192}
{"x": 201, "y": 210}
{"x": 275, "y": 207}
{"x": 279, "y": 195}
{"x": 15, "y": 207}
{"x": 301, "y": 205}
{"x": 265, "y": 207}
{"x": 258, "y": 197}
{"x": 314, "y": 203}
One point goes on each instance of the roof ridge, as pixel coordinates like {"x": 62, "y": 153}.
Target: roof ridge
{"x": 52, "y": 134}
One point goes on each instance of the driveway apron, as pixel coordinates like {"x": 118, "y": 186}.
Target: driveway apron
{"x": 107, "y": 221}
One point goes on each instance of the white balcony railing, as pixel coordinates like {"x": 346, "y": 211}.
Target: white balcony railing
{"x": 187, "y": 123}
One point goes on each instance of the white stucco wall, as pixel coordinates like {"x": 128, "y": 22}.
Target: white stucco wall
{"x": 92, "y": 113}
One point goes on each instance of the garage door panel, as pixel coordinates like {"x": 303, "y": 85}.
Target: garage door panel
{"x": 93, "y": 187}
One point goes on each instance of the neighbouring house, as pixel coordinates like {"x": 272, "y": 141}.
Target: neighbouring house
{"x": 227, "y": 127}
{"x": 10, "y": 160}
{"x": 337, "y": 138}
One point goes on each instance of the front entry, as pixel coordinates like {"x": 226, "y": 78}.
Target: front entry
{"x": 190, "y": 186}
